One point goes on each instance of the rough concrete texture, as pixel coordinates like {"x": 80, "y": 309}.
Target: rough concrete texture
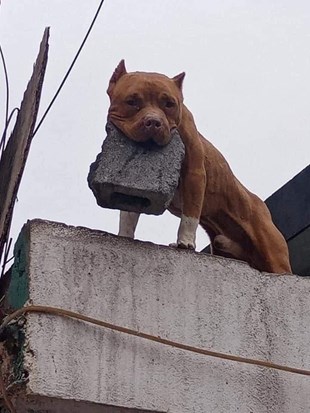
{"x": 136, "y": 177}
{"x": 196, "y": 299}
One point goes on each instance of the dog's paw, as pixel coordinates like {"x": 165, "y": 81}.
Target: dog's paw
{"x": 186, "y": 245}
{"x": 183, "y": 245}
{"x": 187, "y": 233}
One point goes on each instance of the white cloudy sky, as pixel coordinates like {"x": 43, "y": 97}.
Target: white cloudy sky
{"x": 247, "y": 65}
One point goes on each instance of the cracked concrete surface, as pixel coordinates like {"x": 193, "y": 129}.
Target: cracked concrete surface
{"x": 204, "y": 301}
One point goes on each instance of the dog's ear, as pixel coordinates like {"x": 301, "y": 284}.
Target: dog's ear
{"x": 118, "y": 73}
{"x": 178, "y": 80}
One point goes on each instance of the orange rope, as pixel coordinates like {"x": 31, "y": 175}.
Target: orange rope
{"x": 74, "y": 315}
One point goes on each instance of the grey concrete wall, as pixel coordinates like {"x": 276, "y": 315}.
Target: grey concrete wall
{"x": 196, "y": 299}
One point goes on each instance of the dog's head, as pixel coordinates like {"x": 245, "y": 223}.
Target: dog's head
{"x": 145, "y": 106}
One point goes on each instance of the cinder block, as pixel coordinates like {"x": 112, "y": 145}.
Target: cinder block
{"x": 133, "y": 176}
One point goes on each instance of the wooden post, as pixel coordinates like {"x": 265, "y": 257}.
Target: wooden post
{"x": 14, "y": 157}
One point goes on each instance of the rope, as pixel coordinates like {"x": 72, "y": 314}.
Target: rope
{"x": 73, "y": 315}
{"x": 110, "y": 326}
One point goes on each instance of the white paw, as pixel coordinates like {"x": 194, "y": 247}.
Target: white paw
{"x": 187, "y": 233}
{"x": 186, "y": 245}
{"x": 173, "y": 245}
{"x": 183, "y": 245}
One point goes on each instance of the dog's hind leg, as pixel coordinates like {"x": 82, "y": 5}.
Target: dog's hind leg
{"x": 127, "y": 223}
{"x": 228, "y": 248}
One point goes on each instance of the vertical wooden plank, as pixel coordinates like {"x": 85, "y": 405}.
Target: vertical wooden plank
{"x": 14, "y": 158}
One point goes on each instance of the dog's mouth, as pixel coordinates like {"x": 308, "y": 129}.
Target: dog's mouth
{"x": 147, "y": 129}
{"x": 161, "y": 137}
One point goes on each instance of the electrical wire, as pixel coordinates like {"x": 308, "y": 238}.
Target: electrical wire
{"x": 9, "y": 117}
{"x": 69, "y": 70}
{"x": 3, "y": 138}
{"x": 7, "y": 86}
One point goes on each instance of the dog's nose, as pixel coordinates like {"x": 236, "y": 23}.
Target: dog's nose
{"x": 152, "y": 123}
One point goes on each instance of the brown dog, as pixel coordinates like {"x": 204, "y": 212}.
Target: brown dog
{"x": 148, "y": 106}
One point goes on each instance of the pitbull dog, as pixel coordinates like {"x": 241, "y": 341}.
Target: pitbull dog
{"x": 149, "y": 106}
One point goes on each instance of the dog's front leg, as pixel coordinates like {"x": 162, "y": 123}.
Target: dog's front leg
{"x": 187, "y": 232}
{"x": 192, "y": 192}
{"x": 127, "y": 223}
{"x": 193, "y": 182}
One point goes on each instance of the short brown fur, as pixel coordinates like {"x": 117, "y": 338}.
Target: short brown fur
{"x": 148, "y": 106}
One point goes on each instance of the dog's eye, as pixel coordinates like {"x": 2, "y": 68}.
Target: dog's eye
{"x": 169, "y": 104}
{"x": 131, "y": 102}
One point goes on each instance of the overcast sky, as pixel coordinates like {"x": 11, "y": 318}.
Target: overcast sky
{"x": 247, "y": 65}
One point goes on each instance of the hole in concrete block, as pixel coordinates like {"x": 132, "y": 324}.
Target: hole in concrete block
{"x": 118, "y": 198}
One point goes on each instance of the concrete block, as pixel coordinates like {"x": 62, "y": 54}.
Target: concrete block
{"x": 196, "y": 299}
{"x": 136, "y": 177}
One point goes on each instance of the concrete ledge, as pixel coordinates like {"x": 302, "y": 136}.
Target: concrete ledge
{"x": 200, "y": 300}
